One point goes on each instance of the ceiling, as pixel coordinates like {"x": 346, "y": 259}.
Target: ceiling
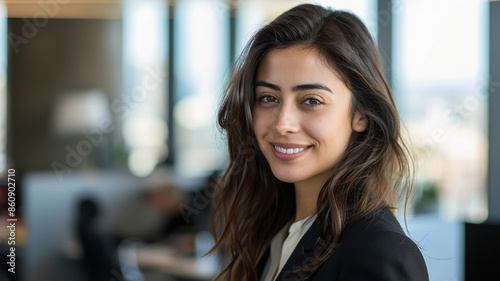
{"x": 33, "y": 9}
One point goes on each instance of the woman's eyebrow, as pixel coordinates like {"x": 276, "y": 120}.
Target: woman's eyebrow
{"x": 267, "y": 85}
{"x": 303, "y": 87}
{"x": 314, "y": 86}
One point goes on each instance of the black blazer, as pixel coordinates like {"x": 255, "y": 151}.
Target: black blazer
{"x": 374, "y": 248}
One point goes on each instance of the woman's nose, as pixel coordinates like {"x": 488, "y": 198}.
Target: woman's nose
{"x": 287, "y": 121}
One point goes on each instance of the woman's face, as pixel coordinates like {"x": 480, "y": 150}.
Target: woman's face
{"x": 301, "y": 116}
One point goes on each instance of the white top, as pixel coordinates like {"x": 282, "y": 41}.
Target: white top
{"x": 282, "y": 248}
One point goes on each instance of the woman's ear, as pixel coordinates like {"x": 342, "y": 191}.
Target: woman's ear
{"x": 359, "y": 123}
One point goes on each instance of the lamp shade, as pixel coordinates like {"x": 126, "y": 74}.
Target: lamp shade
{"x": 77, "y": 111}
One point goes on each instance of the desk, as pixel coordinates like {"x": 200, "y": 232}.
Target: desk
{"x": 163, "y": 259}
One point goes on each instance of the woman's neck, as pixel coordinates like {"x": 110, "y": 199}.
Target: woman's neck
{"x": 306, "y": 197}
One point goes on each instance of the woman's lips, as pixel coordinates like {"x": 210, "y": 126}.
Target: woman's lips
{"x": 288, "y": 151}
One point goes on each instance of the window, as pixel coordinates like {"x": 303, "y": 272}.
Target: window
{"x": 144, "y": 105}
{"x": 440, "y": 83}
{"x": 201, "y": 63}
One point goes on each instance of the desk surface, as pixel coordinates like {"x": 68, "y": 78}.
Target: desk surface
{"x": 162, "y": 258}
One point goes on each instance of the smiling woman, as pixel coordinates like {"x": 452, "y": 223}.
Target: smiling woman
{"x": 317, "y": 161}
{"x": 302, "y": 119}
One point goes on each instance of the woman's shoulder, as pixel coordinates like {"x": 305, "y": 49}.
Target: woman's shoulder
{"x": 380, "y": 232}
{"x": 381, "y": 220}
{"x": 376, "y": 248}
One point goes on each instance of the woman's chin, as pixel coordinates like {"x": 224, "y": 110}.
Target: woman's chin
{"x": 287, "y": 177}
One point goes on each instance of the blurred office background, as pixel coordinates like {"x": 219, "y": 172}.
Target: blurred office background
{"x": 107, "y": 115}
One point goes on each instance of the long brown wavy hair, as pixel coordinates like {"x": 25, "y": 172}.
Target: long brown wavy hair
{"x": 375, "y": 171}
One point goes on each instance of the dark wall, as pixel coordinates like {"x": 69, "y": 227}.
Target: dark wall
{"x": 43, "y": 62}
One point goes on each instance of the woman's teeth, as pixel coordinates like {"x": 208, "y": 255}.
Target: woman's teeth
{"x": 289, "y": 150}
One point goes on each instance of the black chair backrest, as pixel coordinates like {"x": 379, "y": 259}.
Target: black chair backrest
{"x": 482, "y": 252}
{"x": 99, "y": 254}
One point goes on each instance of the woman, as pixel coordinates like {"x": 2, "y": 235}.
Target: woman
{"x": 317, "y": 161}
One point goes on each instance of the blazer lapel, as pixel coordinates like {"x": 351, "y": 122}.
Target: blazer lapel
{"x": 301, "y": 255}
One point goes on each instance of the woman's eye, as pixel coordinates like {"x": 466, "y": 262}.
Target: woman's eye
{"x": 268, "y": 99}
{"x": 312, "y": 101}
